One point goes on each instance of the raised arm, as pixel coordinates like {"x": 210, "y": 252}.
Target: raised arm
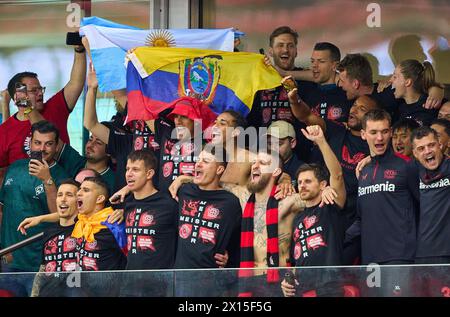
{"x": 90, "y": 113}
{"x": 121, "y": 94}
{"x": 74, "y": 87}
{"x": 5, "y": 99}
{"x": 301, "y": 110}
{"x": 315, "y": 134}
{"x": 435, "y": 96}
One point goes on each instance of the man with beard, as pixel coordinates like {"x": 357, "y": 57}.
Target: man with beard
{"x": 266, "y": 226}
{"x": 273, "y": 104}
{"x": 434, "y": 221}
{"x": 95, "y": 158}
{"x": 434, "y": 225}
{"x": 259, "y": 197}
{"x": 28, "y": 190}
{"x": 318, "y": 234}
{"x": 59, "y": 254}
{"x": 345, "y": 141}
{"x": 282, "y": 132}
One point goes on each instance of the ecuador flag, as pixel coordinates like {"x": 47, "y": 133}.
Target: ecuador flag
{"x": 223, "y": 80}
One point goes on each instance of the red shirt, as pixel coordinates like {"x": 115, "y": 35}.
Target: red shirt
{"x": 15, "y": 135}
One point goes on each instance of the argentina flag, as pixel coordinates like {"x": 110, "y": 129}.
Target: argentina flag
{"x": 110, "y": 41}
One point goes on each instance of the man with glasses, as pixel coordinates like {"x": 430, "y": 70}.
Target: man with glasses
{"x": 28, "y": 94}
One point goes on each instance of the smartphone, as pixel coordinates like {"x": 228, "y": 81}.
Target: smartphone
{"x": 73, "y": 38}
{"x": 21, "y": 88}
{"x": 36, "y": 155}
{"x": 289, "y": 277}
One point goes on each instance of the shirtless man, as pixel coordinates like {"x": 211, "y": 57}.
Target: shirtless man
{"x": 226, "y": 133}
{"x": 259, "y": 204}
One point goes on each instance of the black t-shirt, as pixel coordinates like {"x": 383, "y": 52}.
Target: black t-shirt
{"x": 120, "y": 144}
{"x": 387, "y": 101}
{"x": 209, "y": 223}
{"x": 175, "y": 157}
{"x": 151, "y": 228}
{"x": 434, "y": 224}
{"x": 318, "y": 237}
{"x": 328, "y": 101}
{"x": 273, "y": 104}
{"x": 103, "y": 254}
{"x": 59, "y": 252}
{"x": 417, "y": 112}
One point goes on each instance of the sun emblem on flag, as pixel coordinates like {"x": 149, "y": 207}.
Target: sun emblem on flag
{"x": 160, "y": 38}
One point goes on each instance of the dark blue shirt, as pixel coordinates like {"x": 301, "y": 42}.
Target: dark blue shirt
{"x": 388, "y": 195}
{"x": 434, "y": 224}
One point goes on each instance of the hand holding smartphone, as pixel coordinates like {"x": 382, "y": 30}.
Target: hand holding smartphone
{"x": 289, "y": 278}
{"x": 21, "y": 95}
{"x": 36, "y": 155}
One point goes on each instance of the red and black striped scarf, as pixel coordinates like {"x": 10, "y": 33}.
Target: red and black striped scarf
{"x": 247, "y": 238}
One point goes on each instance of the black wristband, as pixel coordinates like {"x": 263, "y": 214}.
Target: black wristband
{"x": 79, "y": 50}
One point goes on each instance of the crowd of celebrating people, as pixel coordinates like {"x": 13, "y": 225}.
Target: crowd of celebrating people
{"x": 347, "y": 172}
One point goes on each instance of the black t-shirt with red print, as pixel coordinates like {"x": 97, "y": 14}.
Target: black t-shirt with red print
{"x": 103, "y": 254}
{"x": 318, "y": 237}
{"x": 176, "y": 157}
{"x": 120, "y": 144}
{"x": 209, "y": 223}
{"x": 151, "y": 228}
{"x": 328, "y": 101}
{"x": 59, "y": 252}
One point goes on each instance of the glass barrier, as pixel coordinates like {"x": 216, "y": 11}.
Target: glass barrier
{"x": 352, "y": 281}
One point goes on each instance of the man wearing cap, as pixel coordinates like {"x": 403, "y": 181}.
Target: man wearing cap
{"x": 181, "y": 145}
{"x": 283, "y": 132}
